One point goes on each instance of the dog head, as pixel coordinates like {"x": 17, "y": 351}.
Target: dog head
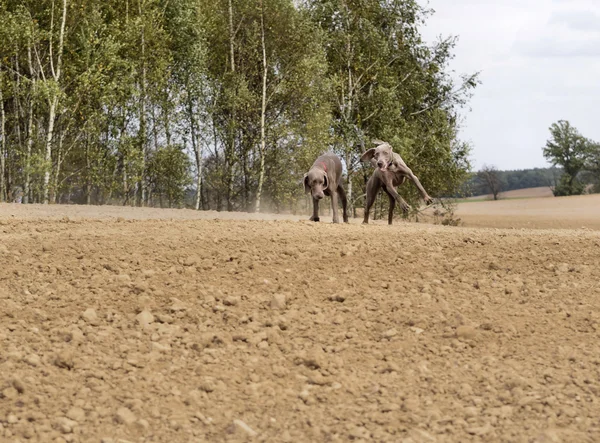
{"x": 316, "y": 182}
{"x": 381, "y": 156}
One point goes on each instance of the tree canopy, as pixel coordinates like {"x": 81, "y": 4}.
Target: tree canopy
{"x": 571, "y": 151}
{"x": 140, "y": 101}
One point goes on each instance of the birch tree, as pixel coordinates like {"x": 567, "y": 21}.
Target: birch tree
{"x": 53, "y": 92}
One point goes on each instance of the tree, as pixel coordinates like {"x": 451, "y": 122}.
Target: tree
{"x": 388, "y": 84}
{"x": 570, "y": 150}
{"x": 593, "y": 164}
{"x": 169, "y": 174}
{"x": 491, "y": 180}
{"x": 96, "y": 93}
{"x": 2, "y": 141}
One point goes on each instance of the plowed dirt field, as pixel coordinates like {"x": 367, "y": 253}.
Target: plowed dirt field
{"x": 162, "y": 329}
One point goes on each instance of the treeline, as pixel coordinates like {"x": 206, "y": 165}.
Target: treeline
{"x": 489, "y": 179}
{"x": 140, "y": 101}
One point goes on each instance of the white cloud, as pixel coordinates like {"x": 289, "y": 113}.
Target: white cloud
{"x": 540, "y": 62}
{"x": 579, "y": 20}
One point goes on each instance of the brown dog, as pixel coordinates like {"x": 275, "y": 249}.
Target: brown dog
{"x": 390, "y": 172}
{"x": 325, "y": 178}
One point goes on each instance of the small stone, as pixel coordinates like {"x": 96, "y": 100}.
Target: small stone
{"x": 164, "y": 318}
{"x": 28, "y": 432}
{"x": 10, "y": 393}
{"x": 549, "y": 436}
{"x": 144, "y": 318}
{"x": 33, "y": 360}
{"x": 160, "y": 347}
{"x": 389, "y": 407}
{"x": 123, "y": 279}
{"x": 258, "y": 337}
{"x": 125, "y": 416}
{"x": 390, "y": 333}
{"x": 177, "y": 305}
{"x": 278, "y": 301}
{"x": 76, "y": 414}
{"x": 479, "y": 430}
{"x": 75, "y": 335}
{"x": 471, "y": 411}
{"x": 192, "y": 260}
{"x": 207, "y": 384}
{"x": 359, "y": 433}
{"x": 90, "y": 316}
{"x": 231, "y": 300}
{"x": 466, "y": 332}
{"x": 65, "y": 425}
{"x": 18, "y": 385}
{"x": 244, "y": 427}
{"x": 340, "y": 298}
{"x": 12, "y": 419}
{"x": 65, "y": 359}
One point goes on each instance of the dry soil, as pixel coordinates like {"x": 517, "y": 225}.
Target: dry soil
{"x": 173, "y": 330}
{"x": 582, "y": 211}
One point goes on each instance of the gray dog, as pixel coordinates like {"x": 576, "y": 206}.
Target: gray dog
{"x": 325, "y": 178}
{"x": 390, "y": 172}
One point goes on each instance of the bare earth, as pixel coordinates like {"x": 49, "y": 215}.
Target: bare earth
{"x": 539, "y": 192}
{"x": 538, "y": 213}
{"x": 145, "y": 325}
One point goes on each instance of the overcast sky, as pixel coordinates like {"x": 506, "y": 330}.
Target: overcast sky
{"x": 539, "y": 63}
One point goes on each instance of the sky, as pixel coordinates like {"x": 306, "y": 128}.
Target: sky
{"x": 539, "y": 62}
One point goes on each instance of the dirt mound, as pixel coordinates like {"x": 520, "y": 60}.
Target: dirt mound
{"x": 204, "y": 330}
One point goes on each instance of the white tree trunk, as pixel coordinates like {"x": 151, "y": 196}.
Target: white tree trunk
{"x": 59, "y": 161}
{"x": 349, "y": 166}
{"x": 231, "y": 149}
{"x": 197, "y": 152}
{"x": 48, "y": 158}
{"x": 263, "y": 110}
{"x": 53, "y": 102}
{"x": 142, "y": 183}
{"x": 26, "y": 188}
{"x": 2, "y": 148}
{"x": 231, "y": 36}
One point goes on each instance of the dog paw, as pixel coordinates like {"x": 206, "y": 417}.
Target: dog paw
{"x": 428, "y": 200}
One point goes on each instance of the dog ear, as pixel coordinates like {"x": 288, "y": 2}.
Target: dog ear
{"x": 306, "y": 186}
{"x": 367, "y": 156}
{"x": 325, "y": 181}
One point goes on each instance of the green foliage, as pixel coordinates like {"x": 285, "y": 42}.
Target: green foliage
{"x": 568, "y": 149}
{"x": 567, "y": 186}
{"x": 592, "y": 166}
{"x": 515, "y": 179}
{"x": 146, "y": 86}
{"x": 169, "y": 174}
{"x": 388, "y": 84}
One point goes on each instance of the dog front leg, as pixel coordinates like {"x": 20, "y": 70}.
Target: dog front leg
{"x": 315, "y": 216}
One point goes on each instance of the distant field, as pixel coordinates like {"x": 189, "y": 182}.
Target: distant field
{"x": 540, "y": 192}
{"x": 538, "y": 213}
